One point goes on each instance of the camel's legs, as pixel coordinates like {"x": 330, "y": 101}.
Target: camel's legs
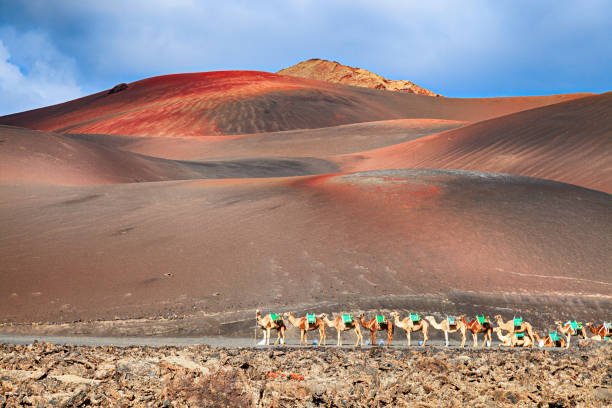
{"x": 283, "y": 335}
{"x": 389, "y": 334}
{"x": 569, "y": 336}
{"x": 446, "y": 338}
{"x": 475, "y": 337}
{"x": 339, "y": 337}
{"x": 278, "y": 336}
{"x": 463, "y": 333}
{"x": 408, "y": 336}
{"x": 305, "y": 337}
{"x": 301, "y": 337}
{"x": 373, "y": 332}
{"x": 425, "y": 336}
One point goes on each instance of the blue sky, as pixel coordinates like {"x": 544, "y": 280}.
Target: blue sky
{"x": 53, "y": 51}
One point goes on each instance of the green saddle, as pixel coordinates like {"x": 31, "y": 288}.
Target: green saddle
{"x": 518, "y": 321}
{"x": 311, "y": 318}
{"x": 451, "y": 321}
{"x": 482, "y": 319}
{"x": 380, "y": 318}
{"x": 554, "y": 336}
{"x": 608, "y": 325}
{"x": 519, "y": 335}
{"x": 573, "y": 324}
{"x": 606, "y": 338}
{"x": 347, "y": 318}
{"x": 276, "y": 317}
{"x": 415, "y": 317}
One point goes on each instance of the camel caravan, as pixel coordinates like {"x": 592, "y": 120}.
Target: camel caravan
{"x": 511, "y": 333}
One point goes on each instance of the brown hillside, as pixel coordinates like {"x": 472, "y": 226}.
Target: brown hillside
{"x": 143, "y": 248}
{"x": 569, "y": 142}
{"x": 332, "y": 71}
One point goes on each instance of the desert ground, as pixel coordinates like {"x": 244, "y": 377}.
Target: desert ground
{"x": 180, "y": 204}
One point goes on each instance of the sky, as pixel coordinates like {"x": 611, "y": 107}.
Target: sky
{"x": 53, "y": 51}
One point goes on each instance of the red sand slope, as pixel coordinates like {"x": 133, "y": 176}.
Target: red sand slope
{"x": 139, "y": 249}
{"x": 32, "y": 157}
{"x": 569, "y": 142}
{"x": 291, "y": 143}
{"x": 237, "y": 102}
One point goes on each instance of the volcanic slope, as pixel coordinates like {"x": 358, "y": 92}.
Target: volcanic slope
{"x": 33, "y": 157}
{"x": 145, "y": 248}
{"x": 332, "y": 71}
{"x": 569, "y": 142}
{"x": 320, "y": 142}
{"x": 239, "y": 102}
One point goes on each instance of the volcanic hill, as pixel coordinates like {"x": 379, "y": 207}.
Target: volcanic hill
{"x": 332, "y": 71}
{"x": 197, "y": 198}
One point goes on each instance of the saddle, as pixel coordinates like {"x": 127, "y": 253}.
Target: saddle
{"x": 311, "y": 318}
{"x": 519, "y": 335}
{"x": 415, "y": 317}
{"x": 380, "y": 319}
{"x": 482, "y": 320}
{"x": 554, "y": 336}
{"x": 608, "y": 327}
{"x": 276, "y": 317}
{"x": 347, "y": 318}
{"x": 518, "y": 322}
{"x": 452, "y": 323}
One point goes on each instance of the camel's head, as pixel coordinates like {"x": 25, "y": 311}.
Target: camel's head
{"x": 393, "y": 314}
{"x": 558, "y": 323}
{"x": 323, "y": 316}
{"x": 497, "y": 317}
{"x": 287, "y": 314}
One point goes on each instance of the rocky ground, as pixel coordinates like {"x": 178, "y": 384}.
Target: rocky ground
{"x": 44, "y": 374}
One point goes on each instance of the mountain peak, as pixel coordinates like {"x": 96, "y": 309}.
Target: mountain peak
{"x": 332, "y": 71}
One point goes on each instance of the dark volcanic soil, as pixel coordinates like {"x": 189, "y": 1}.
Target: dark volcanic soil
{"x": 46, "y": 375}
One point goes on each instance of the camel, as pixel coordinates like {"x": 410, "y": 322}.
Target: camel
{"x": 305, "y": 327}
{"x": 341, "y": 325}
{"x": 512, "y": 339}
{"x": 270, "y": 322}
{"x": 551, "y": 340}
{"x": 601, "y": 332}
{"x": 479, "y": 325}
{"x": 571, "y": 328}
{"x": 374, "y": 325}
{"x": 511, "y": 328}
{"x": 446, "y": 326}
{"x": 410, "y": 326}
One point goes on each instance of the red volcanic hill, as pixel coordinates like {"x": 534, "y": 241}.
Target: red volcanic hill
{"x": 239, "y": 102}
{"x": 569, "y": 142}
{"x": 332, "y": 71}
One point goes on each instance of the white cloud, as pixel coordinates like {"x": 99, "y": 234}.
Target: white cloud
{"x": 43, "y": 77}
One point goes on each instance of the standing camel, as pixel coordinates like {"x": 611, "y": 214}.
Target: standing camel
{"x": 270, "y": 322}
{"x": 511, "y": 328}
{"x": 479, "y": 325}
{"x": 447, "y": 326}
{"x": 571, "y": 328}
{"x": 342, "y": 323}
{"x": 305, "y": 327}
{"x": 374, "y": 325}
{"x": 410, "y": 326}
{"x": 512, "y": 339}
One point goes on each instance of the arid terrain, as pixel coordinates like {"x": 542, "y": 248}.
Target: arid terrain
{"x": 177, "y": 205}
{"x": 72, "y": 376}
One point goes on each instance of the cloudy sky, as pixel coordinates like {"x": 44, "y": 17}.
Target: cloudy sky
{"x": 53, "y": 51}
